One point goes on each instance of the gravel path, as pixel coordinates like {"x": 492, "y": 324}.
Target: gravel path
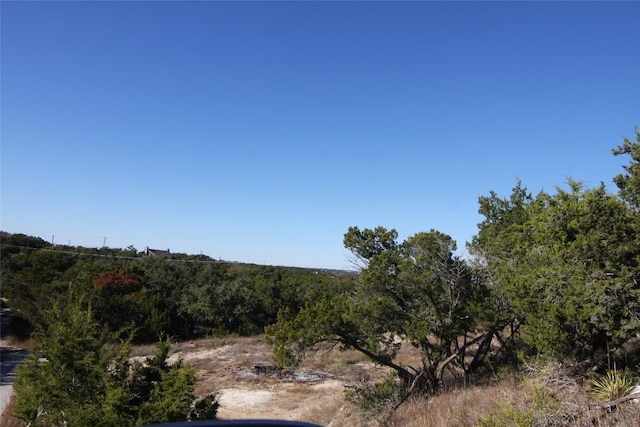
{"x": 10, "y": 357}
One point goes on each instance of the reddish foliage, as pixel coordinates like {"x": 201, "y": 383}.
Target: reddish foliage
{"x": 116, "y": 282}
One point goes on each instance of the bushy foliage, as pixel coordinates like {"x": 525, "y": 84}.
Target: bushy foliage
{"x": 415, "y": 293}
{"x": 548, "y": 398}
{"x": 178, "y": 295}
{"x": 116, "y": 283}
{"x": 567, "y": 265}
{"x": 629, "y": 182}
{"x": 508, "y": 415}
{"x": 78, "y": 376}
{"x": 374, "y": 398}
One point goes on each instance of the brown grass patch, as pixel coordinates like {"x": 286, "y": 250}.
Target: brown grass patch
{"x": 459, "y": 408}
{"x": 545, "y": 397}
{"x": 7, "y": 419}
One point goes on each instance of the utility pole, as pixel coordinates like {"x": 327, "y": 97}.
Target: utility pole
{"x": 104, "y": 241}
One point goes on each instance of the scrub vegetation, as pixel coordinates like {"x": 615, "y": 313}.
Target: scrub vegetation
{"x": 539, "y": 325}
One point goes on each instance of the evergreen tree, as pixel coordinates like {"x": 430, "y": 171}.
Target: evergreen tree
{"x": 415, "y": 292}
{"x": 77, "y": 376}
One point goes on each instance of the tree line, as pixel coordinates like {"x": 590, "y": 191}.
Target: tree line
{"x": 179, "y": 295}
{"x": 549, "y": 275}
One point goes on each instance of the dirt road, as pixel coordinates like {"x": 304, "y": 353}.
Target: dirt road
{"x": 10, "y": 357}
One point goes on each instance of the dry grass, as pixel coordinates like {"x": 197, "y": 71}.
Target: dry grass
{"x": 315, "y": 392}
{"x": 7, "y": 419}
{"x": 459, "y": 408}
{"x": 326, "y": 410}
{"x": 546, "y": 397}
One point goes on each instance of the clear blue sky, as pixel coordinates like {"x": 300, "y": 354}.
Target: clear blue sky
{"x": 260, "y": 131}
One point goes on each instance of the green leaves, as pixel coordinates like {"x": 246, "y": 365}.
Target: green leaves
{"x": 328, "y": 320}
{"x": 367, "y": 243}
{"x": 629, "y": 182}
{"x": 79, "y": 376}
{"x": 612, "y": 386}
{"x": 567, "y": 264}
{"x": 417, "y": 291}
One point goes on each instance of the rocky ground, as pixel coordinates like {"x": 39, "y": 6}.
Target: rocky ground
{"x": 243, "y": 373}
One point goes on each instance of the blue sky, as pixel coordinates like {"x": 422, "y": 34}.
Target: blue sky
{"x": 260, "y": 131}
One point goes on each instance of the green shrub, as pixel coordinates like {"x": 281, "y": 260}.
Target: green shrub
{"x": 548, "y": 398}
{"x": 508, "y": 415}
{"x": 373, "y": 398}
{"x": 77, "y": 376}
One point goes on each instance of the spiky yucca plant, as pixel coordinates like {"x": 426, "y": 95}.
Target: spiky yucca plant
{"x": 612, "y": 386}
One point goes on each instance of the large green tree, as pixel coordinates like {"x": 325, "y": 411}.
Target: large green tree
{"x": 566, "y": 263}
{"x": 412, "y": 293}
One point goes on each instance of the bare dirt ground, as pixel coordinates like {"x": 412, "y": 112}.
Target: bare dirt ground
{"x": 243, "y": 373}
